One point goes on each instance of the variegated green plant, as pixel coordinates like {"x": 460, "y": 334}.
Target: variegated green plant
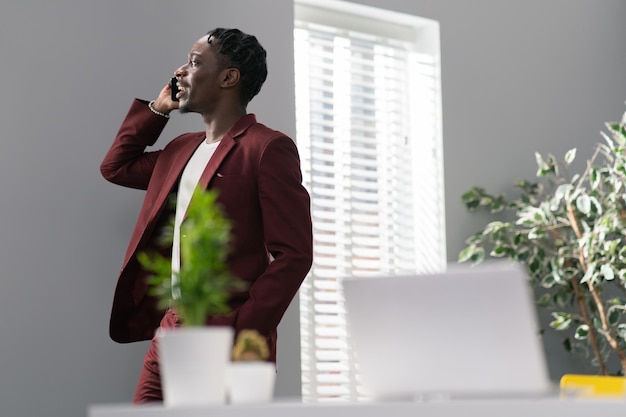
{"x": 204, "y": 283}
{"x": 570, "y": 233}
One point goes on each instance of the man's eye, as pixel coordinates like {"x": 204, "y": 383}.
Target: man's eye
{"x": 193, "y": 63}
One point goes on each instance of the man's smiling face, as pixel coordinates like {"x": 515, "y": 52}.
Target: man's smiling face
{"x": 199, "y": 79}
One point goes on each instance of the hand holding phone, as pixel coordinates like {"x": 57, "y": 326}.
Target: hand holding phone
{"x": 174, "y": 88}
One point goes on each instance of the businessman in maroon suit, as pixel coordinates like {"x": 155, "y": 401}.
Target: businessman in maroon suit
{"x": 256, "y": 171}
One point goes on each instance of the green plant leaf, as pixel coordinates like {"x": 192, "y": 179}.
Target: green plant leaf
{"x": 621, "y": 255}
{"x": 522, "y": 254}
{"x": 561, "y": 297}
{"x": 613, "y": 317}
{"x": 606, "y": 137}
{"x": 471, "y": 194}
{"x": 582, "y": 332}
{"x": 542, "y": 167}
{"x": 611, "y": 246}
{"x": 591, "y": 270}
{"x": 556, "y": 275}
{"x": 567, "y": 345}
{"x": 498, "y": 204}
{"x": 478, "y": 256}
{"x": 534, "y": 265}
{"x": 597, "y": 207}
{"x": 536, "y": 233}
{"x": 499, "y": 251}
{"x": 548, "y": 281}
{"x": 475, "y": 239}
{"x": 466, "y": 253}
{"x": 594, "y": 178}
{"x": 472, "y": 198}
{"x": 570, "y": 156}
{"x": 544, "y": 301}
{"x": 562, "y": 322}
{"x": 493, "y": 228}
{"x": 607, "y": 272}
{"x": 583, "y": 204}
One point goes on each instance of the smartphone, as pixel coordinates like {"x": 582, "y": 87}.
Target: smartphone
{"x": 174, "y": 88}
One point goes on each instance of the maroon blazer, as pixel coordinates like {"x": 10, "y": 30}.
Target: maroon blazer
{"x": 257, "y": 173}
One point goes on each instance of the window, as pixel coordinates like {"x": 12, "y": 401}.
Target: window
{"x": 368, "y": 122}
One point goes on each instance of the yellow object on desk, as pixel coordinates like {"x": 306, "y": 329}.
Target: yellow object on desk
{"x": 592, "y": 386}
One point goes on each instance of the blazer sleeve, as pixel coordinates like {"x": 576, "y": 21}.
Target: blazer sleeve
{"x": 126, "y": 163}
{"x": 286, "y": 214}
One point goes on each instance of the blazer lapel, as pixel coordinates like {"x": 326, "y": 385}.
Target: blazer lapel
{"x": 147, "y": 220}
{"x": 227, "y": 143}
{"x": 176, "y": 168}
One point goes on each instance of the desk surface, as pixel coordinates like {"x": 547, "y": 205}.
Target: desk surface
{"x": 548, "y": 407}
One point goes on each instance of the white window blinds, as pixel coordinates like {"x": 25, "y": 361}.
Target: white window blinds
{"x": 369, "y": 134}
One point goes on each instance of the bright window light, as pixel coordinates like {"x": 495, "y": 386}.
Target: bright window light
{"x": 368, "y": 123}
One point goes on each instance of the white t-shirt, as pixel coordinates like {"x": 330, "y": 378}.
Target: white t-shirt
{"x": 188, "y": 182}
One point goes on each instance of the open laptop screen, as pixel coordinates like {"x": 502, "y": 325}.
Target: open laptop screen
{"x": 467, "y": 331}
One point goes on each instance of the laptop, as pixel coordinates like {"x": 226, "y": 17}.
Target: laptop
{"x": 471, "y": 331}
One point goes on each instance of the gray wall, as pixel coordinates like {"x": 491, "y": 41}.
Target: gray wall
{"x": 70, "y": 70}
{"x": 518, "y": 76}
{"x": 521, "y": 76}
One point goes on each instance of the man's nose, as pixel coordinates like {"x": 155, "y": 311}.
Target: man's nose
{"x": 181, "y": 71}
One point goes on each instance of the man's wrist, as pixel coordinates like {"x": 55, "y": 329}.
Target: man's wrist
{"x": 155, "y": 111}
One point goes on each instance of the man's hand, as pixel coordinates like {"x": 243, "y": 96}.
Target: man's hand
{"x": 164, "y": 102}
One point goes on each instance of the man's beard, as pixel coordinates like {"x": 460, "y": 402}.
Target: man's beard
{"x": 184, "y": 105}
{"x": 184, "y": 108}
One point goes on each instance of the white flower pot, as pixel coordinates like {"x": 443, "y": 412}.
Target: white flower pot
{"x": 251, "y": 382}
{"x": 194, "y": 364}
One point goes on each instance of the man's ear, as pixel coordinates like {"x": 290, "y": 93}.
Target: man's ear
{"x": 230, "y": 77}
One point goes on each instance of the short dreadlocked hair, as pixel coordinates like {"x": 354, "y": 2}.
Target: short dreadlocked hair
{"x": 244, "y": 52}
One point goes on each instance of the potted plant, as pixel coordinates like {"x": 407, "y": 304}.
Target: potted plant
{"x": 200, "y": 290}
{"x": 570, "y": 233}
{"x": 251, "y": 375}
{"x": 250, "y": 346}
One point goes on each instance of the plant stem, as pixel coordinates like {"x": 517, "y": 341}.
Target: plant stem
{"x": 594, "y": 293}
{"x": 605, "y": 326}
{"x": 593, "y": 340}
{"x": 587, "y": 171}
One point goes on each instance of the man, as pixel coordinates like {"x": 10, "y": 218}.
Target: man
{"x": 256, "y": 172}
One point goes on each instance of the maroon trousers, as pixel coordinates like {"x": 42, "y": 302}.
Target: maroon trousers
{"x": 149, "y": 385}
